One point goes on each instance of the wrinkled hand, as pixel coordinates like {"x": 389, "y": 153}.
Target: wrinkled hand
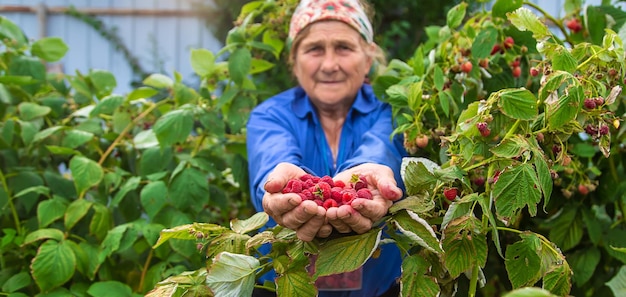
{"x": 288, "y": 210}
{"x": 361, "y": 215}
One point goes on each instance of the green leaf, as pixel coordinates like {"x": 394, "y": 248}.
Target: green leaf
{"x": 53, "y": 265}
{"x": 485, "y": 40}
{"x": 11, "y": 31}
{"x": 101, "y": 221}
{"x": 584, "y": 263}
{"x": 596, "y": 23}
{"x": 260, "y": 65}
{"x": 85, "y": 172}
{"x": 186, "y": 232}
{"x": 418, "y": 230}
{"x": 111, "y": 242}
{"x": 567, "y": 229}
{"x": 146, "y": 139}
{"x": 438, "y": 78}
{"x": 618, "y": 283}
{"x": 110, "y": 288}
{"x": 563, "y": 97}
{"x": 529, "y": 292}
{"x": 189, "y": 188}
{"x": 445, "y": 98}
{"x": 50, "y": 210}
{"x": 511, "y": 147}
{"x": 563, "y": 60}
{"x": 50, "y": 49}
{"x": 76, "y": 211}
{"x": 418, "y": 179}
{"x": 75, "y": 138}
{"x": 141, "y": 93}
{"x": 465, "y": 245}
{"x": 415, "y": 278}
{"x": 107, "y": 105}
{"x": 253, "y": 223}
{"x": 502, "y": 7}
{"x": 272, "y": 39}
{"x": 16, "y": 282}
{"x": 516, "y": 188}
{"x": 525, "y": 20}
{"x": 522, "y": 262}
{"x": 173, "y": 127}
{"x": 544, "y": 176}
{"x": 30, "y": 111}
{"x": 239, "y": 64}
{"x": 202, "y": 61}
{"x": 41, "y": 234}
{"x": 519, "y": 104}
{"x": 346, "y": 253}
{"x": 558, "y": 281}
{"x": 228, "y": 242}
{"x": 130, "y": 185}
{"x": 584, "y": 150}
{"x": 153, "y": 197}
{"x": 232, "y": 274}
{"x": 43, "y": 134}
{"x": 158, "y": 81}
{"x": 103, "y": 81}
{"x": 295, "y": 283}
{"x": 456, "y": 15}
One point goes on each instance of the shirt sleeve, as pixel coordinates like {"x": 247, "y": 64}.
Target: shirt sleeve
{"x": 269, "y": 142}
{"x": 377, "y": 146}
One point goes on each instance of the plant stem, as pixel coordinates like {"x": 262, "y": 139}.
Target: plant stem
{"x": 552, "y": 19}
{"x": 512, "y": 131}
{"x": 473, "y": 281}
{"x": 145, "y": 270}
{"x": 16, "y": 218}
{"x": 127, "y": 129}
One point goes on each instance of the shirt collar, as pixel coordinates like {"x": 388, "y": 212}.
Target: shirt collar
{"x": 365, "y": 102}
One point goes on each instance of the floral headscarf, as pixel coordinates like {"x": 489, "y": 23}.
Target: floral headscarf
{"x": 347, "y": 11}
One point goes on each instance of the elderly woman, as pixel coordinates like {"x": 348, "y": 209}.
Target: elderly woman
{"x": 330, "y": 124}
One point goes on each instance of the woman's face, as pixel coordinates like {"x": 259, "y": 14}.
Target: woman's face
{"x": 331, "y": 63}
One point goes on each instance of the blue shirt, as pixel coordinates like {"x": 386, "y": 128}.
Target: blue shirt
{"x": 286, "y": 128}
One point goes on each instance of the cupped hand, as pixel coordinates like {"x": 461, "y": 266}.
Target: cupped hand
{"x": 361, "y": 214}
{"x": 305, "y": 217}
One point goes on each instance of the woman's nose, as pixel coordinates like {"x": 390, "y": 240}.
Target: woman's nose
{"x": 330, "y": 62}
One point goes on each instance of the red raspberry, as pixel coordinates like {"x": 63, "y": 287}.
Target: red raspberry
{"x": 450, "y": 193}
{"x": 336, "y": 193}
{"x": 329, "y": 203}
{"x": 598, "y": 100}
{"x": 574, "y": 25}
{"x": 583, "y": 189}
{"x": 340, "y": 184}
{"x": 307, "y": 194}
{"x": 306, "y": 177}
{"x": 364, "y": 193}
{"x": 323, "y": 190}
{"x": 509, "y": 42}
{"x": 466, "y": 67}
{"x": 296, "y": 186}
{"x": 348, "y": 196}
{"x": 517, "y": 71}
{"x": 604, "y": 130}
{"x": 319, "y": 202}
{"x": 327, "y": 179}
{"x": 590, "y": 103}
{"x": 534, "y": 71}
{"x": 496, "y": 49}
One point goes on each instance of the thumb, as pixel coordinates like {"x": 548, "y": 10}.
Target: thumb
{"x": 282, "y": 173}
{"x": 389, "y": 189}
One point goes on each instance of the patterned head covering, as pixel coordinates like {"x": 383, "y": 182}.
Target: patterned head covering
{"x": 347, "y": 11}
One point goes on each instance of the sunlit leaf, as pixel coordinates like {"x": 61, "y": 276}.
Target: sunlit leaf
{"x": 232, "y": 275}
{"x": 50, "y": 49}
{"x": 295, "y": 283}
{"x": 255, "y": 222}
{"x": 346, "y": 253}
{"x": 515, "y": 189}
{"x": 85, "y": 172}
{"x": 519, "y": 104}
{"x": 173, "y": 127}
{"x": 239, "y": 65}
{"x": 41, "y": 234}
{"x": 418, "y": 230}
{"x": 525, "y": 20}
{"x": 202, "y": 61}
{"x": 456, "y": 15}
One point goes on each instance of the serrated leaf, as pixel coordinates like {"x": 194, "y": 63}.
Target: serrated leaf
{"x": 522, "y": 262}
{"x": 563, "y": 97}
{"x": 145, "y": 139}
{"x": 30, "y": 111}
{"x": 187, "y": 232}
{"x": 130, "y": 185}
{"x": 202, "y": 61}
{"x": 75, "y": 138}
{"x": 485, "y": 40}
{"x": 295, "y": 283}
{"x": 232, "y": 275}
{"x": 153, "y": 197}
{"x": 255, "y": 222}
{"x": 415, "y": 281}
{"x": 529, "y": 292}
{"x": 502, "y": 7}
{"x": 511, "y": 147}
{"x": 173, "y": 127}
{"x": 228, "y": 242}
{"x": 618, "y": 283}
{"x": 159, "y": 81}
{"x": 40, "y": 234}
{"x": 53, "y": 265}
{"x": 107, "y": 105}
{"x": 109, "y": 288}
{"x": 76, "y": 211}
{"x": 418, "y": 178}
{"x": 101, "y": 221}
{"x": 544, "y": 176}
{"x": 456, "y": 15}
{"x": 465, "y": 245}
{"x": 515, "y": 189}
{"x": 567, "y": 230}
{"x": 85, "y": 172}
{"x": 525, "y": 20}
{"x": 563, "y": 60}
{"x": 50, "y": 49}
{"x": 346, "y": 253}
{"x": 584, "y": 263}
{"x": 239, "y": 65}
{"x": 418, "y": 230}
{"x": 558, "y": 281}
{"x": 113, "y": 239}
{"x": 50, "y": 210}
{"x": 519, "y": 104}
{"x": 189, "y": 188}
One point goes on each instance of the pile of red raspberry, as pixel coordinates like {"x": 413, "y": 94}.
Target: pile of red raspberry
{"x": 327, "y": 192}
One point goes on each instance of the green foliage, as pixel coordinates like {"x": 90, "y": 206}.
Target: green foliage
{"x": 89, "y": 178}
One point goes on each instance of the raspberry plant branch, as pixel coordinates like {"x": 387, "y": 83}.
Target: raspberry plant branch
{"x": 7, "y": 190}
{"x": 553, "y": 20}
